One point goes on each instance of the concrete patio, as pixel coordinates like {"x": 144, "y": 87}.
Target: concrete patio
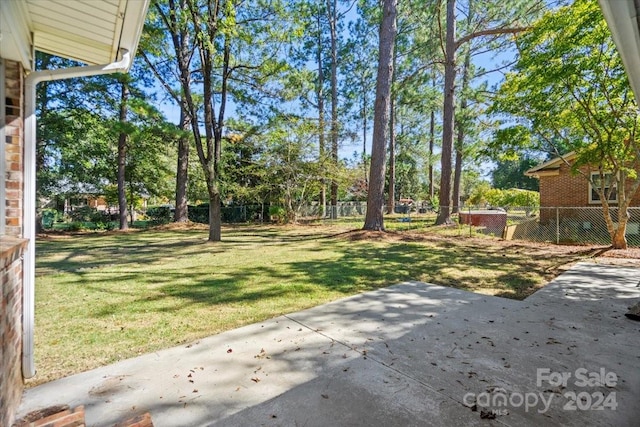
{"x": 411, "y": 354}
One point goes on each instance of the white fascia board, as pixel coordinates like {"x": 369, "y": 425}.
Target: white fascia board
{"x": 551, "y": 163}
{"x": 15, "y": 35}
{"x": 132, "y": 26}
{"x": 622, "y": 20}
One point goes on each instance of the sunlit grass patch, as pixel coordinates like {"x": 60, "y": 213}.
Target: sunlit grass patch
{"x": 105, "y": 297}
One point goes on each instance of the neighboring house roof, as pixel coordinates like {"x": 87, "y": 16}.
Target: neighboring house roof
{"x": 621, "y": 17}
{"x": 550, "y": 168}
{"x": 89, "y": 31}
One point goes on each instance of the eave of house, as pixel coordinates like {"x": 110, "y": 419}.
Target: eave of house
{"x": 546, "y": 172}
{"x": 90, "y": 31}
{"x": 550, "y": 168}
{"x": 623, "y": 21}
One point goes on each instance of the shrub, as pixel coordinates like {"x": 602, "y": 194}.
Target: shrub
{"x": 505, "y": 198}
{"x": 50, "y": 217}
{"x": 199, "y": 213}
{"x": 277, "y": 213}
{"x": 88, "y": 214}
{"x": 159, "y": 215}
{"x": 75, "y": 226}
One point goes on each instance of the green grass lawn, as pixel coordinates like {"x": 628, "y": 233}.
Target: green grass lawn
{"x": 104, "y": 297}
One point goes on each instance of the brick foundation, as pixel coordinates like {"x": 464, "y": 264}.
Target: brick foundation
{"x": 11, "y": 383}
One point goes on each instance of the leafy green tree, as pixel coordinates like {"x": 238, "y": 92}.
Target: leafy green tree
{"x": 153, "y": 45}
{"x": 492, "y": 23}
{"x": 569, "y": 87}
{"x": 86, "y": 141}
{"x": 510, "y": 174}
{"x": 234, "y": 53}
{"x": 359, "y": 69}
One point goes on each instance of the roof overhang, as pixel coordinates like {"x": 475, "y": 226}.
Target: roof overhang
{"x": 89, "y": 31}
{"x": 552, "y": 167}
{"x": 622, "y": 19}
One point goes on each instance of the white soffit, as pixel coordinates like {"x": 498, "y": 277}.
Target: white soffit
{"x": 89, "y": 31}
{"x": 622, "y": 19}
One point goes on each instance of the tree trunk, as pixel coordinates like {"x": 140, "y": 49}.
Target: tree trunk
{"x": 181, "y": 213}
{"x": 457, "y": 177}
{"x": 122, "y": 158}
{"x": 619, "y": 239}
{"x": 444, "y": 216}
{"x": 432, "y": 139}
{"x": 374, "y": 219}
{"x": 321, "y": 140}
{"x": 618, "y": 234}
{"x": 392, "y": 154}
{"x": 460, "y": 124}
{"x": 215, "y": 223}
{"x": 364, "y": 133}
{"x": 332, "y": 9}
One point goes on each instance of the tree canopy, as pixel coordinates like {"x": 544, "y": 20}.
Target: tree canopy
{"x": 570, "y": 90}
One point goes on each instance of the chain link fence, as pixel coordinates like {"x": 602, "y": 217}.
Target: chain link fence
{"x": 559, "y": 225}
{"x": 564, "y": 225}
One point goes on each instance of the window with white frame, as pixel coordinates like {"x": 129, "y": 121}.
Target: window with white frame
{"x": 607, "y": 183}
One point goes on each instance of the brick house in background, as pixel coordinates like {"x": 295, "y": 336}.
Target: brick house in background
{"x": 562, "y": 188}
{"x": 97, "y": 32}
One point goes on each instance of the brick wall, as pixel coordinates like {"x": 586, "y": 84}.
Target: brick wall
{"x": 11, "y": 383}
{"x": 12, "y": 247}
{"x": 564, "y": 189}
{"x": 14, "y": 131}
{"x": 569, "y": 190}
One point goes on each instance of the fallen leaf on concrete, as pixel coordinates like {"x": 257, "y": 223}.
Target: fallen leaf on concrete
{"x": 487, "y": 415}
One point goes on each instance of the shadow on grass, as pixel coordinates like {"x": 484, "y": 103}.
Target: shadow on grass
{"x": 99, "y": 263}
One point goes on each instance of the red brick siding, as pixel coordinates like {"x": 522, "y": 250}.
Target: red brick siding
{"x": 11, "y": 382}
{"x": 569, "y": 190}
{"x": 14, "y": 147}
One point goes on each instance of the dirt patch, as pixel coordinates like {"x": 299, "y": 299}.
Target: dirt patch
{"x": 567, "y": 255}
{"x": 181, "y": 226}
{"x": 477, "y": 242}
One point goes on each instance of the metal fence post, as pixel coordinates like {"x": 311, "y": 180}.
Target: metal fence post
{"x": 557, "y": 226}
